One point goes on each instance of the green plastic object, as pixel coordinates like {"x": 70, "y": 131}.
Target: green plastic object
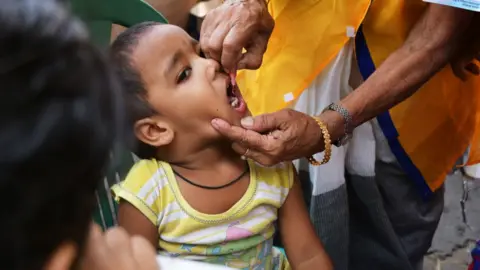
{"x": 99, "y": 15}
{"x": 106, "y": 211}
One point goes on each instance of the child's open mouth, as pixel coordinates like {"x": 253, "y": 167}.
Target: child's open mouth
{"x": 235, "y": 98}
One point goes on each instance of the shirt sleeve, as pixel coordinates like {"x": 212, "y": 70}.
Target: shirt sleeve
{"x": 291, "y": 172}
{"x": 286, "y": 172}
{"x": 142, "y": 188}
{"x": 278, "y": 179}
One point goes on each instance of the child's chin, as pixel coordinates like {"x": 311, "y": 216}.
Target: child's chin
{"x": 235, "y": 120}
{"x": 247, "y": 113}
{"x": 240, "y": 116}
{"x": 234, "y": 117}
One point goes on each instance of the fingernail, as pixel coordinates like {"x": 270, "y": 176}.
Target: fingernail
{"x": 247, "y": 121}
{"x": 215, "y": 123}
{"x": 218, "y": 123}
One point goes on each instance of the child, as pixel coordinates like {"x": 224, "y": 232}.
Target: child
{"x": 58, "y": 120}
{"x": 191, "y": 195}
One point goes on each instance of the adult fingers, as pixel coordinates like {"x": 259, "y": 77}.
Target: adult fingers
{"x": 95, "y": 250}
{"x": 95, "y": 245}
{"x": 459, "y": 71}
{"x": 208, "y": 27}
{"x": 264, "y": 123}
{"x": 117, "y": 238}
{"x": 95, "y": 232}
{"x": 118, "y": 241}
{"x": 249, "y": 138}
{"x": 472, "y": 68}
{"x": 250, "y": 153}
{"x": 216, "y": 40}
{"x": 233, "y": 44}
{"x": 253, "y": 57}
{"x": 240, "y": 149}
{"x": 144, "y": 254}
{"x": 257, "y": 46}
{"x": 206, "y": 30}
{"x": 95, "y": 240}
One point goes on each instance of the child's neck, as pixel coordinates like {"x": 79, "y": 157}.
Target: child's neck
{"x": 208, "y": 158}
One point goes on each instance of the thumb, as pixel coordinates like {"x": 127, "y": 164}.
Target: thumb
{"x": 262, "y": 123}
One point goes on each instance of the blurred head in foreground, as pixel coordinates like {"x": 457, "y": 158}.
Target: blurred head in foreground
{"x": 57, "y": 123}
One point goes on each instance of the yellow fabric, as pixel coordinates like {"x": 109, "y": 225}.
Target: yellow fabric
{"x": 307, "y": 35}
{"x": 435, "y": 126}
{"x": 241, "y": 237}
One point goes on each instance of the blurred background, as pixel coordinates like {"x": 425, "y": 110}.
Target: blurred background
{"x": 177, "y": 11}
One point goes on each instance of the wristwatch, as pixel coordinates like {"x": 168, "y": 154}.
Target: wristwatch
{"x": 348, "y": 122}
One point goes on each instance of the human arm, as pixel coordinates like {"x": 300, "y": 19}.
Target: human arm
{"x": 138, "y": 212}
{"x": 287, "y": 134}
{"x": 136, "y": 223}
{"x": 302, "y": 245}
{"x": 464, "y": 60}
{"x": 429, "y": 47}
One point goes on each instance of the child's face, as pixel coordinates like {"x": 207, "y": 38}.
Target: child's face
{"x": 185, "y": 88}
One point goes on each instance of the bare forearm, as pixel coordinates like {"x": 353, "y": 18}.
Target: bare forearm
{"x": 429, "y": 47}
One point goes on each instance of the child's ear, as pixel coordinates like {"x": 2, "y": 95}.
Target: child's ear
{"x": 154, "y": 132}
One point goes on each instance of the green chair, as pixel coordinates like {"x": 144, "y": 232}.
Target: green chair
{"x": 99, "y": 15}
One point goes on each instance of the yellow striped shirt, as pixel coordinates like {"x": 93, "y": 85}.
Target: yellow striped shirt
{"x": 241, "y": 237}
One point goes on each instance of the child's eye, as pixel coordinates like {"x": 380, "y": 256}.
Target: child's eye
{"x": 184, "y": 75}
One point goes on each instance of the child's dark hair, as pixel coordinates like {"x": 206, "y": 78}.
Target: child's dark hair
{"x": 137, "y": 106}
{"x": 59, "y": 114}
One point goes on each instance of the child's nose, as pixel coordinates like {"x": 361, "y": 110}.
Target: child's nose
{"x": 213, "y": 67}
{"x": 217, "y": 67}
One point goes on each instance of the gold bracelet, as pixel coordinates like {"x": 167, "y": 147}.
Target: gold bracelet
{"x": 328, "y": 145}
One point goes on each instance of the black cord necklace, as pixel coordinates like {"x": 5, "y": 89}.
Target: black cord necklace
{"x": 247, "y": 169}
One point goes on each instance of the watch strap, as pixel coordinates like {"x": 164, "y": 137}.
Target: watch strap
{"x": 347, "y": 118}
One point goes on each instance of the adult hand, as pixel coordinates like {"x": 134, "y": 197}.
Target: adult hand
{"x": 233, "y": 26}
{"x": 271, "y": 138}
{"x": 116, "y": 250}
{"x": 464, "y": 65}
{"x": 468, "y": 52}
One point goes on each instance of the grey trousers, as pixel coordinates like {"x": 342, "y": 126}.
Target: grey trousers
{"x": 376, "y": 222}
